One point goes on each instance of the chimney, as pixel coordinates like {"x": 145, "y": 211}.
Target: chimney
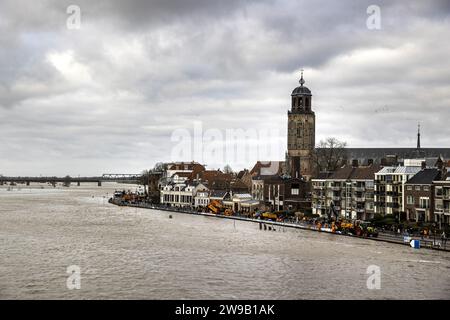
{"x": 369, "y": 162}
{"x": 355, "y": 163}
{"x": 424, "y": 165}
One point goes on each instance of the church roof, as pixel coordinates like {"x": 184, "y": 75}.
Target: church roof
{"x": 302, "y": 90}
{"x": 376, "y": 154}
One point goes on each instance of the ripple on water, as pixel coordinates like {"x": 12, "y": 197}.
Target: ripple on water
{"x": 136, "y": 253}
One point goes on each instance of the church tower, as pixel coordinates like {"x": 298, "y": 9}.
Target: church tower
{"x": 301, "y": 133}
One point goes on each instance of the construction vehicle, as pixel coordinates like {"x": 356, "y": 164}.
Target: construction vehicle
{"x": 358, "y": 228}
{"x": 367, "y": 230}
{"x": 332, "y": 212}
{"x": 269, "y": 216}
{"x": 215, "y": 206}
{"x": 345, "y": 227}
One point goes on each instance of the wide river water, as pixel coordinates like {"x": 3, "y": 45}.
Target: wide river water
{"x": 129, "y": 253}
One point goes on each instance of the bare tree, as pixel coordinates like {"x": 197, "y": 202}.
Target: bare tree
{"x": 330, "y": 154}
{"x": 159, "y": 167}
{"x": 144, "y": 180}
{"x": 227, "y": 169}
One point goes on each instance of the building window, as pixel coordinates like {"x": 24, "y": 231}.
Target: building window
{"x": 410, "y": 200}
{"x": 417, "y": 188}
{"x": 295, "y": 189}
{"x": 426, "y": 188}
{"x": 424, "y": 203}
{"x": 409, "y": 188}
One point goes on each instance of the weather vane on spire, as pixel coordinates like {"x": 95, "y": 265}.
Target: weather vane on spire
{"x": 301, "y": 79}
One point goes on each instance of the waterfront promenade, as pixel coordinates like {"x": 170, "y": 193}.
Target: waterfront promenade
{"x": 427, "y": 243}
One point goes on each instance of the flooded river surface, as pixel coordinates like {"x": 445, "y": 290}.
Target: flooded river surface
{"x": 130, "y": 253}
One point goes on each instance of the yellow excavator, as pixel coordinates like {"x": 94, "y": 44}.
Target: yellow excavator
{"x": 215, "y": 206}
{"x": 269, "y": 216}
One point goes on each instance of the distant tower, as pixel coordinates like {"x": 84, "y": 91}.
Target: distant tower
{"x": 418, "y": 136}
{"x": 301, "y": 132}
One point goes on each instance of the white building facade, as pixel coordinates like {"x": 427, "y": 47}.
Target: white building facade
{"x": 389, "y": 189}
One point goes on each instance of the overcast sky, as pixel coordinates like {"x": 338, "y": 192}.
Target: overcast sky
{"x": 112, "y": 95}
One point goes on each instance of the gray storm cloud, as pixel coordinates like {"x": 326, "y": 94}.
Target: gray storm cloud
{"x": 108, "y": 97}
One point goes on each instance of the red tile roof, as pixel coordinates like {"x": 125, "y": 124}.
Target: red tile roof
{"x": 348, "y": 172}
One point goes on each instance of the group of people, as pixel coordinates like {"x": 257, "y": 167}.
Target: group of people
{"x": 426, "y": 233}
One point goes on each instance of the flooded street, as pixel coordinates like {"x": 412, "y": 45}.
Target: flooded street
{"x": 130, "y": 253}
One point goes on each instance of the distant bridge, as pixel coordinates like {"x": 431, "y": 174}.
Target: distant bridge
{"x": 121, "y": 176}
{"x": 111, "y": 177}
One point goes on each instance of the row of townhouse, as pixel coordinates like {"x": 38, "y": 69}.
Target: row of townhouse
{"x": 347, "y": 192}
{"x": 198, "y": 196}
{"x": 195, "y": 187}
{"x": 389, "y": 189}
{"x": 441, "y": 206}
{"x": 427, "y": 197}
{"x": 264, "y": 187}
{"x": 183, "y": 194}
{"x": 277, "y": 193}
{"x": 412, "y": 191}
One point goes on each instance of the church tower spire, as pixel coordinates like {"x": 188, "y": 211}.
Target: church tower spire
{"x": 418, "y": 136}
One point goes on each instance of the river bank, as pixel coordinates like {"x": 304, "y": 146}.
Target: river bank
{"x": 270, "y": 225}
